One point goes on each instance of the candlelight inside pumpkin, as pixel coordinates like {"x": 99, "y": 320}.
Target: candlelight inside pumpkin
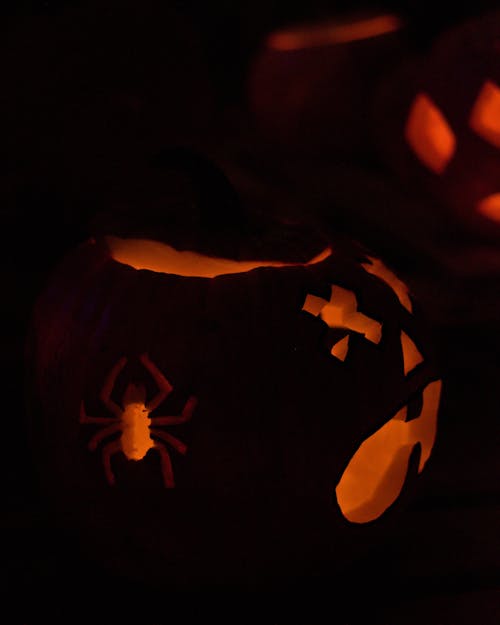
{"x": 376, "y": 473}
{"x": 162, "y": 258}
{"x": 429, "y": 134}
{"x": 490, "y": 207}
{"x": 333, "y": 32}
{"x": 485, "y": 116}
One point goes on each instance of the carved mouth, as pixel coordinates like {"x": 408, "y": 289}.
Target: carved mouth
{"x": 376, "y": 473}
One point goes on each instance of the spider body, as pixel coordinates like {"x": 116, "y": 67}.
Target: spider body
{"x": 134, "y": 423}
{"x": 136, "y": 438}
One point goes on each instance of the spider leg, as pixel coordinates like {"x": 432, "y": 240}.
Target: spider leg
{"x": 105, "y": 395}
{"x": 84, "y": 418}
{"x": 107, "y": 451}
{"x": 166, "y": 466}
{"x": 161, "y": 381}
{"x": 171, "y": 440}
{"x": 102, "y": 434}
{"x": 185, "y": 415}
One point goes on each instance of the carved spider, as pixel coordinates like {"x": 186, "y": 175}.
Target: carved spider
{"x": 134, "y": 422}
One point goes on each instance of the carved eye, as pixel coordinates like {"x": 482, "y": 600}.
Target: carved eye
{"x": 485, "y": 115}
{"x": 342, "y": 312}
{"x": 429, "y": 134}
{"x": 490, "y": 207}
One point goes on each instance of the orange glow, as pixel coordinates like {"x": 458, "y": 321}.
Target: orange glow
{"x": 411, "y": 356}
{"x": 332, "y": 32}
{"x": 377, "y": 471}
{"x": 485, "y": 115}
{"x": 136, "y": 440}
{"x": 429, "y": 134}
{"x": 342, "y": 312}
{"x": 340, "y": 349}
{"x": 377, "y": 268}
{"x": 162, "y": 258}
{"x": 490, "y": 207}
{"x": 423, "y": 430}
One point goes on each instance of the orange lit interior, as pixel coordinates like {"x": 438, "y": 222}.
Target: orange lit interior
{"x": 136, "y": 439}
{"x": 162, "y": 258}
{"x": 411, "y": 356}
{"x": 429, "y": 134}
{"x": 485, "y": 115}
{"x": 377, "y": 471}
{"x": 340, "y": 349}
{"x": 377, "y": 268}
{"x": 341, "y": 311}
{"x": 332, "y": 32}
{"x": 490, "y": 207}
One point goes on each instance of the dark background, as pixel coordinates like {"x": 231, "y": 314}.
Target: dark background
{"x": 443, "y": 567}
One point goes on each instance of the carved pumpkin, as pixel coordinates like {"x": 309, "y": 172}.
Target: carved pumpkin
{"x": 438, "y": 125}
{"x": 309, "y": 85}
{"x": 202, "y": 419}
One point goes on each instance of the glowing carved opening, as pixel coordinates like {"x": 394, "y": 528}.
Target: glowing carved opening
{"x": 162, "y": 258}
{"x": 490, "y": 207}
{"x": 133, "y": 423}
{"x": 411, "y": 356}
{"x": 485, "y": 115}
{"x": 377, "y": 471}
{"x": 342, "y": 312}
{"x": 330, "y": 33}
{"x": 340, "y": 349}
{"x": 429, "y": 134}
{"x": 135, "y": 440}
{"x": 377, "y": 268}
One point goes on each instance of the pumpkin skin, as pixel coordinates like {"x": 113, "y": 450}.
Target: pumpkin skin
{"x": 436, "y": 126}
{"x": 277, "y": 419}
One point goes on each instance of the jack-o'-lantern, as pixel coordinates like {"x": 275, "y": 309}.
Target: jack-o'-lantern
{"x": 438, "y": 125}
{"x": 204, "y": 419}
{"x": 309, "y": 84}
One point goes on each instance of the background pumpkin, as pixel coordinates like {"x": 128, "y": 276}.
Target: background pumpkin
{"x": 309, "y": 83}
{"x": 436, "y": 126}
